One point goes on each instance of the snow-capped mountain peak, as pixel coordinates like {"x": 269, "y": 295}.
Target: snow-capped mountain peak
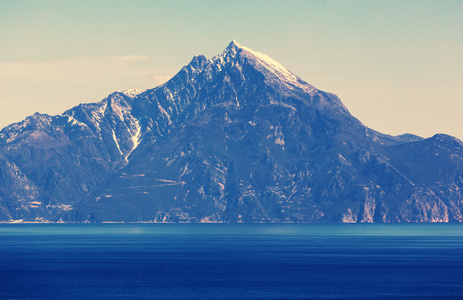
{"x": 272, "y": 69}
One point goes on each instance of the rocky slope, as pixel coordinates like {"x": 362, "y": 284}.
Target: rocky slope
{"x": 235, "y": 138}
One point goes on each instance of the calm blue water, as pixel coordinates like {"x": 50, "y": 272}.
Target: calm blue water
{"x": 222, "y": 261}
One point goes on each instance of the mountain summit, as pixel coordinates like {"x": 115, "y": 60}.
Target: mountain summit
{"x": 271, "y": 69}
{"x": 234, "y": 138}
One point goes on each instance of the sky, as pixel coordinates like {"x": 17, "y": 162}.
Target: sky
{"x": 396, "y": 65}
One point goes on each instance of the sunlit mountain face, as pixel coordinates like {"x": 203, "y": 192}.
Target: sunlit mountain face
{"x": 235, "y": 138}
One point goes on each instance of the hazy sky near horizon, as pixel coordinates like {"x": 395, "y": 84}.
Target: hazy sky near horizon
{"x": 396, "y": 65}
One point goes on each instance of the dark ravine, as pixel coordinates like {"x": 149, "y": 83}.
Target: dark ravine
{"x": 235, "y": 138}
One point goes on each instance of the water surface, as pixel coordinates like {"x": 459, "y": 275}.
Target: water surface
{"x": 231, "y": 261}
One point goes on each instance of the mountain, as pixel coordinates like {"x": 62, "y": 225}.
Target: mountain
{"x": 235, "y": 138}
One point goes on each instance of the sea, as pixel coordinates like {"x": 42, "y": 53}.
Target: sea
{"x": 231, "y": 261}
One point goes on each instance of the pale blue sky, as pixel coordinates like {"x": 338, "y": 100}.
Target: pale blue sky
{"x": 396, "y": 65}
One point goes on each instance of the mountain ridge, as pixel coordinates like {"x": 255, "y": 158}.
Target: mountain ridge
{"x": 235, "y": 138}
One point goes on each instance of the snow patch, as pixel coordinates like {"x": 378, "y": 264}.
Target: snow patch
{"x": 271, "y": 64}
{"x": 132, "y": 93}
{"x": 75, "y": 122}
{"x": 117, "y": 109}
{"x": 136, "y": 138}
{"x": 184, "y": 170}
{"x": 164, "y": 112}
{"x": 117, "y": 144}
{"x": 280, "y": 141}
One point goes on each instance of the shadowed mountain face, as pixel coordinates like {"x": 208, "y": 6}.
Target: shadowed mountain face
{"x": 235, "y": 138}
